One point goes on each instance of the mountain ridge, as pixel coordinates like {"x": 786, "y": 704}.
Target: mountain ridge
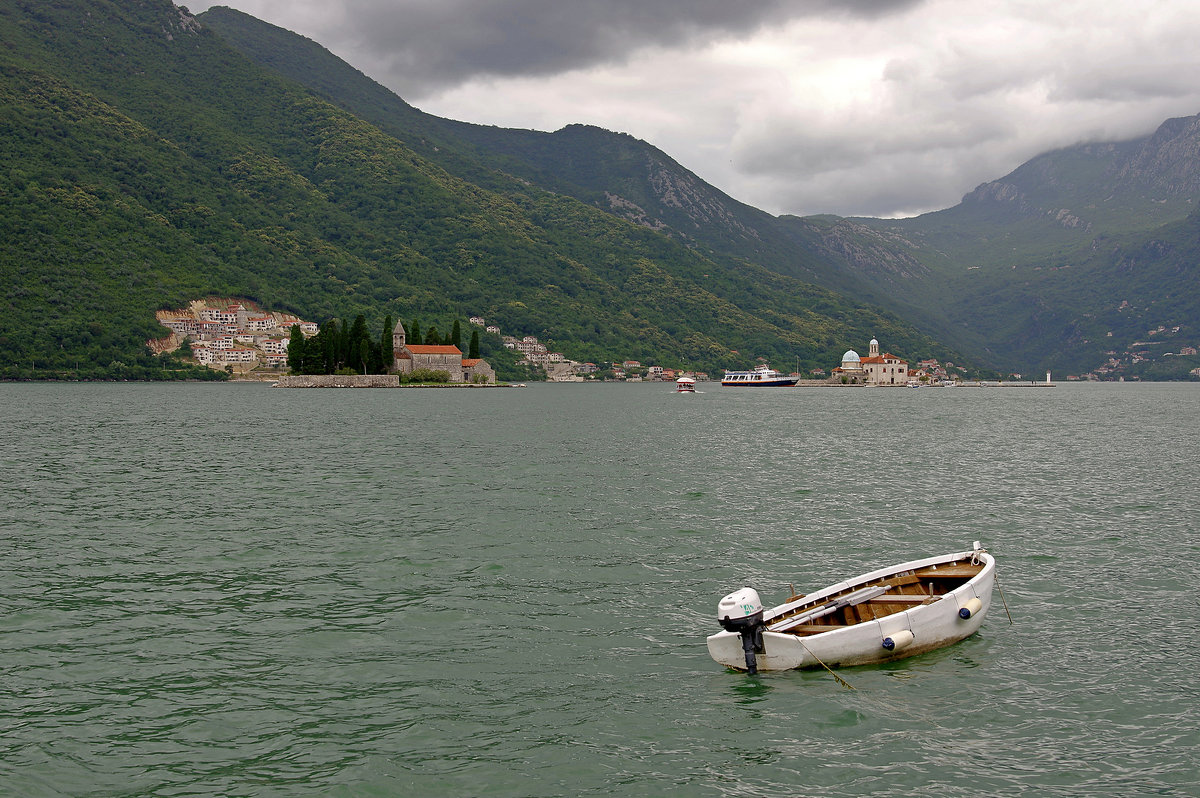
{"x": 161, "y": 165}
{"x": 1056, "y": 208}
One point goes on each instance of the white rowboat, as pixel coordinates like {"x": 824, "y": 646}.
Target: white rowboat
{"x": 882, "y": 615}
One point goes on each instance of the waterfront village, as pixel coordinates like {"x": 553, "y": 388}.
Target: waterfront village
{"x": 240, "y": 338}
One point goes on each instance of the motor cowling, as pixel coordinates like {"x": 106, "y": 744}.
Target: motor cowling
{"x": 742, "y": 612}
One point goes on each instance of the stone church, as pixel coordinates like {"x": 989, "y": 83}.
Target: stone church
{"x": 408, "y": 358}
{"x": 874, "y": 369}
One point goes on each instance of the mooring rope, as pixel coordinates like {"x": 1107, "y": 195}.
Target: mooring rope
{"x": 840, "y": 680}
{"x": 1002, "y": 599}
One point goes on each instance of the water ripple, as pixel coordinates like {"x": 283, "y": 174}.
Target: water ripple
{"x": 228, "y": 590}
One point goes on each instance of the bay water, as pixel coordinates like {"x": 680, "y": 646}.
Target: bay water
{"x": 234, "y": 590}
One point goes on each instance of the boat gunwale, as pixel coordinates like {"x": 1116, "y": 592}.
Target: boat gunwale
{"x": 830, "y": 594}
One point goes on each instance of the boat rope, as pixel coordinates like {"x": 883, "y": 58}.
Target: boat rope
{"x": 975, "y": 560}
{"x": 840, "y": 680}
{"x": 1002, "y": 599}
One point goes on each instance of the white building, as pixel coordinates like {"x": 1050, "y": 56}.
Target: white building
{"x": 238, "y": 355}
{"x": 875, "y": 369}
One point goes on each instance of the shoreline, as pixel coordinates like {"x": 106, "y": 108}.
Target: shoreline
{"x": 368, "y": 381}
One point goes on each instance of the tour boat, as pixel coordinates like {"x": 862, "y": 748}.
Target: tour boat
{"x": 764, "y": 376}
{"x": 685, "y": 385}
{"x": 882, "y": 615}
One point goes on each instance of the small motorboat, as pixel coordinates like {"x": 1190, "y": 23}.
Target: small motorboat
{"x": 882, "y": 615}
{"x": 685, "y": 385}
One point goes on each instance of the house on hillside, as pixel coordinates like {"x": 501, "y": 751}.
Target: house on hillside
{"x": 408, "y": 358}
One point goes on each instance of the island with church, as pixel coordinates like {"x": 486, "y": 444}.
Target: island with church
{"x": 408, "y": 361}
{"x": 250, "y": 343}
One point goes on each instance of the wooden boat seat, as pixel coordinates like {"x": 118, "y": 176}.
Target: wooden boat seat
{"x": 903, "y": 598}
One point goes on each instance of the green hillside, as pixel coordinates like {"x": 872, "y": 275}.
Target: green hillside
{"x": 1027, "y": 273}
{"x": 1014, "y": 276}
{"x": 613, "y": 172}
{"x": 148, "y": 163}
{"x": 152, "y": 158}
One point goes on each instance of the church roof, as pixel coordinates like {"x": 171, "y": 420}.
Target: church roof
{"x": 886, "y": 357}
{"x": 430, "y": 349}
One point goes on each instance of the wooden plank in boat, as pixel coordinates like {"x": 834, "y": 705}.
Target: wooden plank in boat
{"x": 950, "y": 571}
{"x": 895, "y": 581}
{"x": 813, "y": 629}
{"x": 903, "y": 598}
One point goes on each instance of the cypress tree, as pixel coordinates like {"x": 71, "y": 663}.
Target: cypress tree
{"x": 431, "y": 337}
{"x": 332, "y": 336}
{"x": 456, "y": 335}
{"x": 385, "y": 345}
{"x": 474, "y": 353}
{"x": 357, "y": 337}
{"x": 345, "y": 352}
{"x": 365, "y": 350}
{"x": 296, "y": 350}
{"x": 414, "y": 333}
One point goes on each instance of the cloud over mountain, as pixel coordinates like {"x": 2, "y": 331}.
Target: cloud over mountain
{"x": 866, "y": 107}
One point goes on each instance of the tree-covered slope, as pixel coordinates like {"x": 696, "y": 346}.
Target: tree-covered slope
{"x": 148, "y": 163}
{"x": 986, "y": 276}
{"x": 1019, "y": 271}
{"x": 614, "y": 172}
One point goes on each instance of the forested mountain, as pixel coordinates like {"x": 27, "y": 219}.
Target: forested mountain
{"x": 1031, "y": 271}
{"x": 1075, "y": 259}
{"x": 148, "y": 162}
{"x": 152, "y": 157}
{"x": 615, "y": 172}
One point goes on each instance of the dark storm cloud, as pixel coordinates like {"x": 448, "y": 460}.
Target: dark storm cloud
{"x": 429, "y": 45}
{"x": 857, "y": 107}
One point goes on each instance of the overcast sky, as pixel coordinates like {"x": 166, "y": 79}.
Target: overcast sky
{"x": 853, "y": 107}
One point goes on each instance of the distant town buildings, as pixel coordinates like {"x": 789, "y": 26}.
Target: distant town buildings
{"x": 230, "y": 334}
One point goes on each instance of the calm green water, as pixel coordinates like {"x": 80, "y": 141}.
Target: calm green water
{"x": 229, "y": 590}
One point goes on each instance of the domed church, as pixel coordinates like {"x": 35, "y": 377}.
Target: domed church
{"x": 875, "y": 369}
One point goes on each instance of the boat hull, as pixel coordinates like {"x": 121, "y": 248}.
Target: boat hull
{"x": 761, "y": 377}
{"x": 784, "y": 382}
{"x": 931, "y": 626}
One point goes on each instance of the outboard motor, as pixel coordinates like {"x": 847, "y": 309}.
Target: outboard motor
{"x": 742, "y": 612}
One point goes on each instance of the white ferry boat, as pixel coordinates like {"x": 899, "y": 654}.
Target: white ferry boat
{"x": 763, "y": 376}
{"x": 685, "y": 385}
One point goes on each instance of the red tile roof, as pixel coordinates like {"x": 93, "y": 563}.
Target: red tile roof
{"x": 885, "y": 357}
{"x": 423, "y": 349}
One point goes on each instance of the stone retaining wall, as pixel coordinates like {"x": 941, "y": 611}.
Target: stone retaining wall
{"x": 340, "y": 381}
